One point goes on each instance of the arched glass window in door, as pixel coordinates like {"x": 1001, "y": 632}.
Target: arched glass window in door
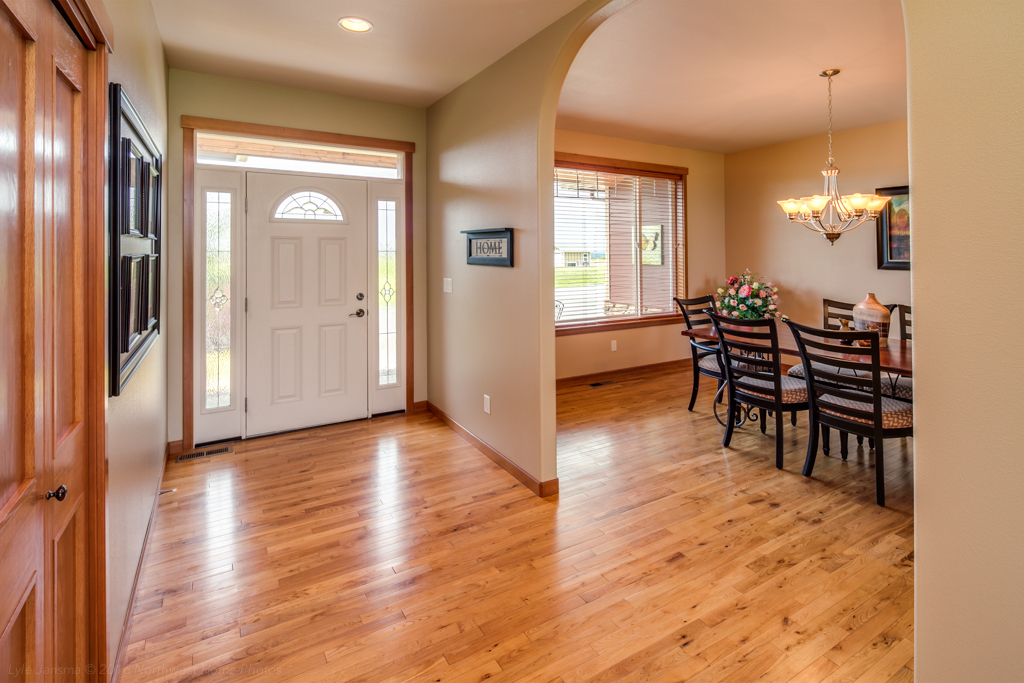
{"x": 308, "y": 205}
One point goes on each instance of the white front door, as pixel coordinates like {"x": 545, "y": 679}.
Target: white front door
{"x": 306, "y": 283}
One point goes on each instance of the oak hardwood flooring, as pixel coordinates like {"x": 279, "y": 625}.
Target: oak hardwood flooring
{"x": 391, "y": 550}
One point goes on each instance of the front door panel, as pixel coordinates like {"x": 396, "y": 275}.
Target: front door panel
{"x": 306, "y": 272}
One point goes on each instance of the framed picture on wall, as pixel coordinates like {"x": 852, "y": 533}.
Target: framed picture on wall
{"x": 650, "y": 245}
{"x": 135, "y": 240}
{"x": 893, "y": 228}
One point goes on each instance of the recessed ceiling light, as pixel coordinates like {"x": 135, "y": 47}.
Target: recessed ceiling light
{"x": 355, "y": 24}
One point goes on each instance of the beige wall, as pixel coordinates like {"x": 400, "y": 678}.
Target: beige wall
{"x": 966, "y": 97}
{"x": 137, "y": 419}
{"x": 804, "y": 266}
{"x": 491, "y": 160}
{"x": 237, "y": 100}
{"x": 586, "y": 354}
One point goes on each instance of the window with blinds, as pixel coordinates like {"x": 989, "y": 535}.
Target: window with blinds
{"x": 619, "y": 245}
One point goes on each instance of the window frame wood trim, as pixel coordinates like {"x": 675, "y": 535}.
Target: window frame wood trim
{"x": 570, "y": 329}
{"x": 623, "y": 166}
{"x": 639, "y": 168}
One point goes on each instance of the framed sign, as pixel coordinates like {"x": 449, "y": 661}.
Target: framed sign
{"x": 493, "y": 247}
{"x": 893, "y": 228}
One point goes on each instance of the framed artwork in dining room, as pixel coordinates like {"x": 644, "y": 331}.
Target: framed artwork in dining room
{"x": 893, "y": 229}
{"x": 135, "y": 240}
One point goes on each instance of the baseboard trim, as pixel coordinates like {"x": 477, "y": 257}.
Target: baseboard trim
{"x": 668, "y": 366}
{"x": 174, "y": 449}
{"x": 418, "y": 407}
{"x": 126, "y": 628}
{"x": 540, "y": 488}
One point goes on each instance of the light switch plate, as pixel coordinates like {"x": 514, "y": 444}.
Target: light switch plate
{"x": 487, "y": 404}
{"x": 447, "y": 285}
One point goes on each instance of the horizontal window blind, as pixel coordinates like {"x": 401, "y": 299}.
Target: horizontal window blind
{"x": 618, "y": 245}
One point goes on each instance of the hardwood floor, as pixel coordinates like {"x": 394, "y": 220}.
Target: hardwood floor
{"x": 392, "y": 550}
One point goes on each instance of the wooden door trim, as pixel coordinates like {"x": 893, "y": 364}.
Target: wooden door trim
{"x": 297, "y": 134}
{"x": 95, "y": 350}
{"x": 90, "y": 20}
{"x": 189, "y": 125}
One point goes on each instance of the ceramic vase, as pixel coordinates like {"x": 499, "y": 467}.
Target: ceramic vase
{"x": 869, "y": 314}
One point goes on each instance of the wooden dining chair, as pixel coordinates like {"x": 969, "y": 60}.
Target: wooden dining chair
{"x": 749, "y": 351}
{"x": 851, "y": 403}
{"x": 906, "y": 323}
{"x": 704, "y": 353}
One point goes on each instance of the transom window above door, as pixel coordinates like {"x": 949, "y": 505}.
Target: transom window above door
{"x": 308, "y": 205}
{"x": 239, "y": 151}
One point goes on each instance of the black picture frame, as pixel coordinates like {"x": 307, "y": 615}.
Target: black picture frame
{"x": 135, "y": 239}
{"x": 502, "y": 255}
{"x": 892, "y": 229}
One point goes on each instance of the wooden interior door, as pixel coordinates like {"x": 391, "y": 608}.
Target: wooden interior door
{"x": 45, "y": 506}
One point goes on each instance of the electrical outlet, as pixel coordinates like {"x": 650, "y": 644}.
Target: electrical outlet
{"x": 615, "y": 345}
{"x": 487, "y": 404}
{"x": 447, "y": 285}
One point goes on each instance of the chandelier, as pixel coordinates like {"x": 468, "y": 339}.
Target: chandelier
{"x": 829, "y": 213}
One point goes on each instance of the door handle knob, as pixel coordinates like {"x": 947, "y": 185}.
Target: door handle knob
{"x": 358, "y": 314}
{"x": 60, "y": 494}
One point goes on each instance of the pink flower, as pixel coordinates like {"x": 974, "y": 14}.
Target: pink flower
{"x": 745, "y": 291}
{"x": 775, "y": 297}
{"x": 771, "y": 307}
{"x": 743, "y": 307}
{"x": 732, "y": 280}
{"x": 732, "y": 292}
{"x": 733, "y": 302}
{"x": 735, "y": 313}
{"x": 762, "y": 294}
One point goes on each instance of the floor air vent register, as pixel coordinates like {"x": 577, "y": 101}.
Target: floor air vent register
{"x": 204, "y": 453}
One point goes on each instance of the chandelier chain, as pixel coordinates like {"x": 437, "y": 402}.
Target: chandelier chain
{"x": 830, "y": 159}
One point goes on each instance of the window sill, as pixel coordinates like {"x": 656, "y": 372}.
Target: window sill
{"x": 609, "y": 325}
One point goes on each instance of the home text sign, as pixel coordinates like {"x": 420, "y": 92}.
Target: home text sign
{"x": 492, "y": 247}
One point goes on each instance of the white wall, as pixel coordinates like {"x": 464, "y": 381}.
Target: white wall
{"x": 491, "y": 160}
{"x": 137, "y": 419}
{"x": 967, "y": 152}
{"x": 585, "y": 354}
{"x": 232, "y": 99}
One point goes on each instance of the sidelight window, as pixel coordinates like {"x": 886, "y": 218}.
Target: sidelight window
{"x": 387, "y": 292}
{"x": 217, "y": 336}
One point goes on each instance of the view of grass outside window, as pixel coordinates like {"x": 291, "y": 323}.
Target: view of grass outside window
{"x": 616, "y": 240}
{"x": 218, "y": 300}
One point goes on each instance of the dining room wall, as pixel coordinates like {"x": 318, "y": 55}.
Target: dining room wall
{"x": 806, "y": 268}
{"x": 586, "y": 354}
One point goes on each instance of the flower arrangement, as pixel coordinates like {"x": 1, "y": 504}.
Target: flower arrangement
{"x": 748, "y": 297}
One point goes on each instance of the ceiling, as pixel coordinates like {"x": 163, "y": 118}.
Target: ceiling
{"x": 729, "y": 75}
{"x": 714, "y": 75}
{"x": 419, "y": 50}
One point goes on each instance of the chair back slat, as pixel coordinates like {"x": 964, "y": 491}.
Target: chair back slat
{"x": 695, "y": 310}
{"x": 863, "y": 386}
{"x": 749, "y": 350}
{"x": 906, "y": 323}
{"x": 833, "y": 311}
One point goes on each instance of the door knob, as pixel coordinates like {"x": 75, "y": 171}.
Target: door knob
{"x": 358, "y": 314}
{"x": 60, "y": 494}
{"x": 360, "y": 296}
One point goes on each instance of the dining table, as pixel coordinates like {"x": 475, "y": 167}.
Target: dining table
{"x": 895, "y": 358}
